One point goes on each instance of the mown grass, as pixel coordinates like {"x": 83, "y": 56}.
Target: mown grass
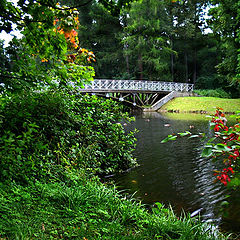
{"x": 186, "y": 116}
{"x": 86, "y": 209}
{"x": 198, "y": 104}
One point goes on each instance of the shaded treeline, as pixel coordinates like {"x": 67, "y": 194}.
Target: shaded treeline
{"x": 164, "y": 41}
{"x": 189, "y": 41}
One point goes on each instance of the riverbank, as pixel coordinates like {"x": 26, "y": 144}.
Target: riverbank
{"x": 201, "y": 105}
{"x": 84, "y": 208}
{"x": 49, "y": 173}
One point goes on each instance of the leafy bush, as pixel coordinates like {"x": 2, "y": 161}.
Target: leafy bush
{"x": 219, "y": 92}
{"x": 212, "y": 81}
{"x": 45, "y": 133}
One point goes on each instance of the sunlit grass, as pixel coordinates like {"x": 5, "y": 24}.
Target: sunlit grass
{"x": 186, "y": 116}
{"x": 207, "y": 104}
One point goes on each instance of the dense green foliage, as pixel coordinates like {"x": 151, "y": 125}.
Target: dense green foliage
{"x": 159, "y": 40}
{"x": 218, "y": 93}
{"x": 99, "y": 32}
{"x": 58, "y": 58}
{"x": 52, "y": 145}
{"x": 224, "y": 23}
{"x": 148, "y": 39}
{"x": 43, "y": 132}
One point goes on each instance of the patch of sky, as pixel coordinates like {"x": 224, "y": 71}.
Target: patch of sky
{"x": 7, "y": 37}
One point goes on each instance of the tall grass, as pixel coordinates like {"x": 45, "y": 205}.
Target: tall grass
{"x": 87, "y": 209}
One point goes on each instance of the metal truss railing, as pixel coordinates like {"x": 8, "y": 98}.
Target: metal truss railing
{"x": 136, "y": 85}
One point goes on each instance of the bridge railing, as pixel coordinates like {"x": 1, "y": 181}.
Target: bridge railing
{"x": 136, "y": 85}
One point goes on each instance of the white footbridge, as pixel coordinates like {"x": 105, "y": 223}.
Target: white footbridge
{"x": 140, "y": 93}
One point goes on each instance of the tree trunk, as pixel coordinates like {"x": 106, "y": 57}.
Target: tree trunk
{"x": 172, "y": 59}
{"x": 195, "y": 66}
{"x": 195, "y": 48}
{"x": 172, "y": 66}
{"x": 186, "y": 66}
{"x": 140, "y": 67}
{"x": 127, "y": 64}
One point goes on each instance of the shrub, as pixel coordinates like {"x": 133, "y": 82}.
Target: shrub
{"x": 219, "y": 92}
{"x": 45, "y": 133}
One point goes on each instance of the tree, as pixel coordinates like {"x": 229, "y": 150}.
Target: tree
{"x": 225, "y": 24}
{"x": 99, "y": 32}
{"x": 3, "y": 60}
{"x": 58, "y": 57}
{"x": 186, "y": 38}
{"x": 146, "y": 37}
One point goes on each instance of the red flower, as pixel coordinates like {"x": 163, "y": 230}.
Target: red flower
{"x": 223, "y": 178}
{"x": 216, "y": 128}
{"x": 231, "y": 170}
{"x": 236, "y": 152}
{"x": 235, "y": 155}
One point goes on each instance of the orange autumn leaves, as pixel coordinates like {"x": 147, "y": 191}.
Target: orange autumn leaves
{"x": 67, "y": 25}
{"x": 70, "y": 35}
{"x": 81, "y": 56}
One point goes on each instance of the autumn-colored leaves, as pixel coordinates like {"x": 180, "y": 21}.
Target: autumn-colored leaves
{"x": 67, "y": 25}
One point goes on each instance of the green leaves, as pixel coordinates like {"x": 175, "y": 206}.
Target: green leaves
{"x": 207, "y": 152}
{"x": 184, "y": 134}
{"x": 224, "y": 23}
{"x": 220, "y": 147}
{"x": 169, "y": 138}
{"x": 145, "y": 37}
{"x": 187, "y": 133}
{"x": 44, "y": 133}
{"x": 39, "y": 58}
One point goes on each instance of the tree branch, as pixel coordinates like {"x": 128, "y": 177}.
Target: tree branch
{"x": 67, "y": 8}
{"x": 8, "y": 76}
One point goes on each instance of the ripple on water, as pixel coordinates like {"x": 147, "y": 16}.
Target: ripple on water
{"x": 174, "y": 172}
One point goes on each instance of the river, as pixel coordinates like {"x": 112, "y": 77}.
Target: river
{"x": 174, "y": 173}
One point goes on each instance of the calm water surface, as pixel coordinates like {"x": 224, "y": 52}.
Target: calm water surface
{"x": 173, "y": 173}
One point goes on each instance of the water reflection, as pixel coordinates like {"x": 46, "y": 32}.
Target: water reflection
{"x": 173, "y": 172}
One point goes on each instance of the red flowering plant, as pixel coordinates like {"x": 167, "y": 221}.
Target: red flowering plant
{"x": 224, "y": 146}
{"x": 227, "y": 149}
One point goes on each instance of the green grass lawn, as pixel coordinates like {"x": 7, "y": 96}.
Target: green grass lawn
{"x": 208, "y": 104}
